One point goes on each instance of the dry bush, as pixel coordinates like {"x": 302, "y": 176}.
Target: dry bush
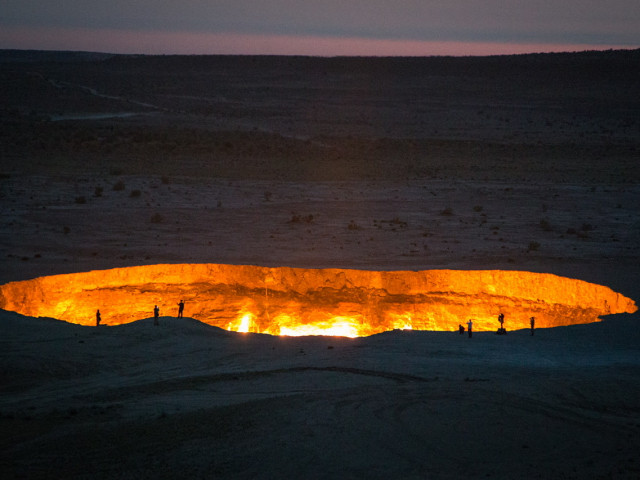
{"x": 545, "y": 225}
{"x": 447, "y": 211}
{"x": 397, "y": 222}
{"x": 301, "y": 219}
{"x": 156, "y": 218}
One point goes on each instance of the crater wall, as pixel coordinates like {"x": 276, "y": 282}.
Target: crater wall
{"x": 289, "y": 300}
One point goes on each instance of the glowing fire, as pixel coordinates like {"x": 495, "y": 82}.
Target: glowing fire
{"x": 402, "y": 322}
{"x": 293, "y": 301}
{"x": 338, "y": 326}
{"x": 244, "y": 326}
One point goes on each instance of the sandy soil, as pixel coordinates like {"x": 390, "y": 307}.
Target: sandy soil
{"x": 186, "y": 399}
{"x": 527, "y": 163}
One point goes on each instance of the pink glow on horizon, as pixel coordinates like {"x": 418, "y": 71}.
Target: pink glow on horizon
{"x": 189, "y": 43}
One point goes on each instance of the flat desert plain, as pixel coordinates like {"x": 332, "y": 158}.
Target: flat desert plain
{"x": 527, "y": 163}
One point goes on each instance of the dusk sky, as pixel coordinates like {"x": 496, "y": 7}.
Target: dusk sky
{"x": 320, "y": 27}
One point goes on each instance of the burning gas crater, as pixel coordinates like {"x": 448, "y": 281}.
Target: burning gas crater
{"x": 296, "y": 301}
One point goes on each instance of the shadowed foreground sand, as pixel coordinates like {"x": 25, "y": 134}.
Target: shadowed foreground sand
{"x": 187, "y": 399}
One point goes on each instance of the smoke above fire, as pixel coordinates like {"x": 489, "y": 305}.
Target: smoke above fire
{"x": 299, "y": 301}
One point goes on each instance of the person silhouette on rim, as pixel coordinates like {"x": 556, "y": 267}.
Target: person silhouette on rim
{"x": 532, "y": 323}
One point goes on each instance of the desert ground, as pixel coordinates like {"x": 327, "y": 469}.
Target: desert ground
{"x": 520, "y": 163}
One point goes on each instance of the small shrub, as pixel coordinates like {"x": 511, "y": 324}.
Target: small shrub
{"x": 81, "y": 200}
{"x": 477, "y": 208}
{"x": 301, "y": 219}
{"x": 353, "y": 226}
{"x": 98, "y": 192}
{"x": 545, "y": 225}
{"x": 135, "y": 193}
{"x": 398, "y": 222}
{"x": 118, "y": 186}
{"x": 165, "y": 180}
{"x": 533, "y": 246}
{"x": 157, "y": 218}
{"x": 447, "y": 211}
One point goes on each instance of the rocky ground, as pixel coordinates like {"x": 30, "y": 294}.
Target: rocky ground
{"x": 527, "y": 163}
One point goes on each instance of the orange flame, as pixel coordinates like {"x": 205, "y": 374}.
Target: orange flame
{"x": 243, "y": 324}
{"x": 295, "y": 301}
{"x": 336, "y": 326}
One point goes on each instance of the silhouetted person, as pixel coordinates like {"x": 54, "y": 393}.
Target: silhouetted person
{"x": 98, "y": 318}
{"x": 180, "y": 308}
{"x": 501, "y": 330}
{"x": 470, "y": 327}
{"x": 460, "y": 329}
{"x": 156, "y": 314}
{"x": 532, "y": 322}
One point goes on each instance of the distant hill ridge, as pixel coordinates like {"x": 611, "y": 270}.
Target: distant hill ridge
{"x": 31, "y": 56}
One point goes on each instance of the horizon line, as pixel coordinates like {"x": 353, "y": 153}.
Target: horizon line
{"x": 123, "y": 42}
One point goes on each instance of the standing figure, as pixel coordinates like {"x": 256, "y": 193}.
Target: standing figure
{"x": 470, "y": 327}
{"x": 98, "y": 318}
{"x": 461, "y": 329}
{"x": 501, "y": 330}
{"x": 156, "y": 314}
{"x": 532, "y": 322}
{"x": 180, "y": 308}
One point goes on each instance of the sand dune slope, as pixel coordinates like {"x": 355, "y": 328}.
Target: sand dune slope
{"x": 187, "y": 399}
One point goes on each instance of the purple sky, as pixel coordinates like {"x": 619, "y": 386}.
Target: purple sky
{"x": 314, "y": 27}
